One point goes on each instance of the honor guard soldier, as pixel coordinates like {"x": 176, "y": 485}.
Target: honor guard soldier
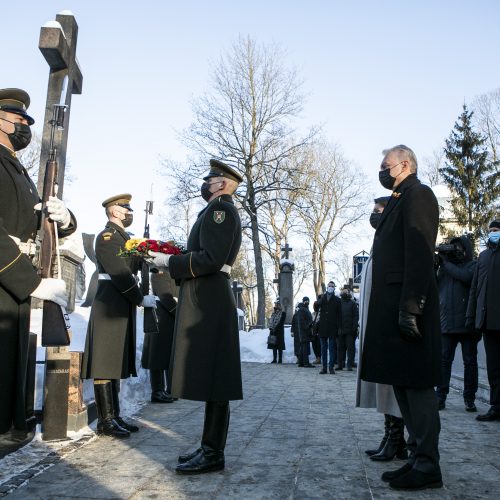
{"x": 110, "y": 344}
{"x": 19, "y": 222}
{"x": 206, "y": 352}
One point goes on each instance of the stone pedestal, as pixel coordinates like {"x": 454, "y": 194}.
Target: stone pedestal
{"x": 285, "y": 284}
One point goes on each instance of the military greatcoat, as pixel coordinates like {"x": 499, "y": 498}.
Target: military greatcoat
{"x": 18, "y": 279}
{"x": 110, "y": 343}
{"x": 157, "y": 348}
{"x": 403, "y": 279}
{"x": 206, "y": 353}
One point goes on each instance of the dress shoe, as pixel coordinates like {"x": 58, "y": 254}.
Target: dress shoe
{"x": 273, "y": 361}
{"x": 470, "y": 406}
{"x": 300, "y": 365}
{"x": 339, "y": 368}
{"x": 111, "y": 428}
{"x": 489, "y": 416}
{"x": 393, "y": 474}
{"x": 309, "y": 366}
{"x": 182, "y": 459}
{"x": 332, "y": 371}
{"x": 203, "y": 462}
{"x": 323, "y": 371}
{"x": 125, "y": 425}
{"x": 417, "y": 480}
{"x": 161, "y": 397}
{"x": 349, "y": 369}
{"x": 441, "y": 405}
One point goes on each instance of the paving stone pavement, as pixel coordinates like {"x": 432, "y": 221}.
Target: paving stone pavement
{"x": 296, "y": 435}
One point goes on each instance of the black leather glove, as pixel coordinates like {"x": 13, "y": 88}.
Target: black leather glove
{"x": 408, "y": 326}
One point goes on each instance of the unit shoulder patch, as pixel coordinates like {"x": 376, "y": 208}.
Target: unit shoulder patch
{"x": 219, "y": 216}
{"x": 106, "y": 236}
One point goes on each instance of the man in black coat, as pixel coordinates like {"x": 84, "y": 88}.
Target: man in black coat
{"x": 295, "y": 334}
{"x": 206, "y": 353}
{"x": 454, "y": 276}
{"x": 348, "y": 329}
{"x": 19, "y": 281}
{"x": 402, "y": 345}
{"x": 330, "y": 314}
{"x": 304, "y": 324}
{"x": 157, "y": 348}
{"x": 110, "y": 344}
{"x": 483, "y": 314}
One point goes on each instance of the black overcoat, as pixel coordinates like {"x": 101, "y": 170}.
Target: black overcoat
{"x": 404, "y": 279}
{"x": 484, "y": 299}
{"x": 157, "y": 347}
{"x": 295, "y": 331}
{"x": 206, "y": 352}
{"x": 330, "y": 315}
{"x": 350, "y": 316}
{"x": 279, "y": 331}
{"x": 18, "y": 279}
{"x": 304, "y": 326}
{"x": 110, "y": 343}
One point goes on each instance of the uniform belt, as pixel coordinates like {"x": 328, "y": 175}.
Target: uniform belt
{"x": 104, "y": 277}
{"x": 26, "y": 247}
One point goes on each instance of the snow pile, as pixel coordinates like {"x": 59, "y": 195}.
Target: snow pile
{"x": 253, "y": 346}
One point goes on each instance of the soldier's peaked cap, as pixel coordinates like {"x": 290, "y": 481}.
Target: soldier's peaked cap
{"x": 16, "y": 101}
{"x": 123, "y": 200}
{"x": 220, "y": 169}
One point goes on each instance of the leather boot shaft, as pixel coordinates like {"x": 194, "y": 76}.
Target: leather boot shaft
{"x": 216, "y": 426}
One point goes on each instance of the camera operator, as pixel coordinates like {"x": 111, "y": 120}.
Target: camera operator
{"x": 454, "y": 276}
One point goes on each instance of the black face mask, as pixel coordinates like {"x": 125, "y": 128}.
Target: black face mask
{"x": 21, "y": 136}
{"x": 206, "y": 194}
{"x": 306, "y": 304}
{"x": 386, "y": 179}
{"x": 375, "y": 219}
{"x": 129, "y": 218}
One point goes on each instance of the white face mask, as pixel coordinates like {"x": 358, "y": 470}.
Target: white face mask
{"x": 330, "y": 289}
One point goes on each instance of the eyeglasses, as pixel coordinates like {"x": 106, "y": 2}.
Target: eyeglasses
{"x": 386, "y": 167}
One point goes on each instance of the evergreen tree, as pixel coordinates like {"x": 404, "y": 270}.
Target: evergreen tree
{"x": 472, "y": 177}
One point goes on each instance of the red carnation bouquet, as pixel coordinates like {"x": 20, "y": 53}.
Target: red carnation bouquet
{"x": 140, "y": 247}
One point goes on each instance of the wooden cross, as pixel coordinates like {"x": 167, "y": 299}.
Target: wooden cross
{"x": 287, "y": 249}
{"x": 58, "y": 45}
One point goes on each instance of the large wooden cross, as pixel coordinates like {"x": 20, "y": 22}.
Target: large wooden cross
{"x": 58, "y": 45}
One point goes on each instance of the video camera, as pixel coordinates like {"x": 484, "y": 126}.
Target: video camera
{"x": 450, "y": 251}
{"x": 448, "y": 248}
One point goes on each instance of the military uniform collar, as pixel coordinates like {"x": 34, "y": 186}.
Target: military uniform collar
{"x": 116, "y": 227}
{"x": 11, "y": 155}
{"x": 224, "y": 197}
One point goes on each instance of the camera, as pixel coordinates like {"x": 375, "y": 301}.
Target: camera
{"x": 447, "y": 248}
{"x": 454, "y": 252}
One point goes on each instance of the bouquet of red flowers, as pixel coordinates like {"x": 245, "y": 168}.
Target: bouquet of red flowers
{"x": 140, "y": 247}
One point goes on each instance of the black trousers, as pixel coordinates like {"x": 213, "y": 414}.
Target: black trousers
{"x": 492, "y": 347}
{"x": 346, "y": 345}
{"x": 316, "y": 345}
{"x": 419, "y": 408}
{"x": 304, "y": 353}
{"x": 468, "y": 344}
{"x": 277, "y": 353}
{"x": 216, "y": 426}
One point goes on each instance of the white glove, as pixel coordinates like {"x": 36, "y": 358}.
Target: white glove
{"x": 158, "y": 260}
{"x": 16, "y": 239}
{"x": 57, "y": 211}
{"x": 52, "y": 289}
{"x": 149, "y": 301}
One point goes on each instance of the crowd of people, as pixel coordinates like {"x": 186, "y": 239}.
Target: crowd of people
{"x": 416, "y": 305}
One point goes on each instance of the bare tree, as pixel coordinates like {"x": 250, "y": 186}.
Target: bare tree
{"x": 430, "y": 172}
{"x": 486, "y": 119}
{"x": 335, "y": 199}
{"x": 245, "y": 120}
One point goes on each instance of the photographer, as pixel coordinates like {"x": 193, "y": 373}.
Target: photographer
{"x": 454, "y": 277}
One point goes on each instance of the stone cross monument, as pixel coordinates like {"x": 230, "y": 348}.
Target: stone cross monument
{"x": 63, "y": 407}
{"x": 285, "y": 283}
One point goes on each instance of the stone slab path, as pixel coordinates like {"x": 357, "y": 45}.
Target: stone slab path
{"x": 296, "y": 435}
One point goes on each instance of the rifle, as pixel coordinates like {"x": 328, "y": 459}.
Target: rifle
{"x": 55, "y": 323}
{"x": 150, "y": 316}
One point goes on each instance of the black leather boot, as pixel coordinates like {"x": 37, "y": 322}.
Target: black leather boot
{"x": 387, "y": 421}
{"x": 395, "y": 445}
{"x": 158, "y": 394}
{"x": 115, "y": 388}
{"x": 210, "y": 457}
{"x": 106, "y": 424}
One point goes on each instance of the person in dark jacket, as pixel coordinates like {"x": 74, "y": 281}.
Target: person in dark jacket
{"x": 329, "y": 310}
{"x": 348, "y": 329}
{"x": 19, "y": 280}
{"x": 454, "y": 277}
{"x": 277, "y": 328}
{"x": 157, "y": 348}
{"x": 110, "y": 347}
{"x": 304, "y": 322}
{"x": 206, "y": 352}
{"x": 483, "y": 314}
{"x": 296, "y": 338}
{"x": 402, "y": 345}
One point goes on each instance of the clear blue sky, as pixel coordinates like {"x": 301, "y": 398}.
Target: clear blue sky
{"x": 377, "y": 73}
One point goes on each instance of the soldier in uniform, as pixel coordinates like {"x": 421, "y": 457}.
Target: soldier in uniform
{"x": 19, "y": 222}
{"x": 157, "y": 348}
{"x": 110, "y": 344}
{"x": 206, "y": 352}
